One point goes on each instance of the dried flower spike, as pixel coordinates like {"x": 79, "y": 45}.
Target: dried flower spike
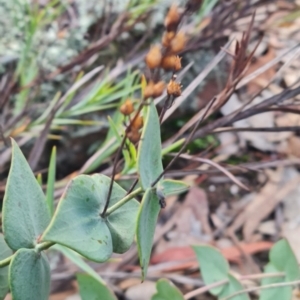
{"x": 167, "y": 38}
{"x": 174, "y": 88}
{"x": 154, "y": 57}
{"x": 159, "y": 88}
{"x": 127, "y": 108}
{"x": 137, "y": 123}
{"x": 171, "y": 62}
{"x": 178, "y": 43}
{"x": 172, "y": 18}
{"x": 134, "y": 136}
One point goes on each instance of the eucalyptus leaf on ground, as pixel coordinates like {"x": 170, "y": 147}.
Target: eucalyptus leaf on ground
{"x": 232, "y": 287}
{"x": 149, "y": 153}
{"x": 92, "y": 289}
{"x": 166, "y": 291}
{"x": 24, "y": 214}
{"x": 5, "y": 252}
{"x": 146, "y": 224}
{"x": 29, "y": 275}
{"x": 282, "y": 293}
{"x": 77, "y": 223}
{"x": 213, "y": 266}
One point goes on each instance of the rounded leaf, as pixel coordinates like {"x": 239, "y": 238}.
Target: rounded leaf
{"x": 232, "y": 287}
{"x": 213, "y": 266}
{"x": 25, "y": 214}
{"x": 29, "y": 275}
{"x": 146, "y": 224}
{"x": 92, "y": 289}
{"x": 77, "y": 222}
{"x": 5, "y": 252}
{"x": 149, "y": 152}
{"x": 167, "y": 291}
{"x": 282, "y": 293}
{"x": 283, "y": 258}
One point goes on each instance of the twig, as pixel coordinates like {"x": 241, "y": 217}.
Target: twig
{"x": 263, "y": 287}
{"x": 204, "y": 289}
{"x": 115, "y": 163}
{"x": 185, "y": 143}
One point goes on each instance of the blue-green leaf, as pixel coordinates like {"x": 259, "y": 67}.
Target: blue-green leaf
{"x": 146, "y": 224}
{"x": 172, "y": 187}
{"x": 51, "y": 182}
{"x": 166, "y": 291}
{"x": 78, "y": 224}
{"x": 149, "y": 152}
{"x": 25, "y": 214}
{"x": 213, "y": 266}
{"x": 282, "y": 293}
{"x": 29, "y": 275}
{"x": 5, "y": 252}
{"x": 92, "y": 289}
{"x": 283, "y": 258}
{"x": 231, "y": 288}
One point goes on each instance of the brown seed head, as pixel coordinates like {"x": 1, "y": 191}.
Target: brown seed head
{"x": 149, "y": 90}
{"x": 154, "y": 57}
{"x": 174, "y": 88}
{"x": 178, "y": 42}
{"x": 127, "y": 108}
{"x": 134, "y": 136}
{"x": 172, "y": 18}
{"x": 137, "y": 123}
{"x": 159, "y": 88}
{"x": 167, "y": 38}
{"x": 171, "y": 62}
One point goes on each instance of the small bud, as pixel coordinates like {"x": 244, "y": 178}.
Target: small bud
{"x": 159, "y": 88}
{"x": 178, "y": 42}
{"x": 172, "y": 18}
{"x": 127, "y": 108}
{"x": 134, "y": 136}
{"x": 174, "y": 88}
{"x": 153, "y": 58}
{"x": 171, "y": 62}
{"x": 149, "y": 90}
{"x": 167, "y": 38}
{"x": 137, "y": 123}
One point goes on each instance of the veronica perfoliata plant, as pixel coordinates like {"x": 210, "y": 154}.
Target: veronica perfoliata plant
{"x": 95, "y": 216}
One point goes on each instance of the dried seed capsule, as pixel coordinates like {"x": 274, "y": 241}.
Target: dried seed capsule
{"x": 134, "y": 136}
{"x": 172, "y": 18}
{"x": 178, "y": 42}
{"x": 154, "y": 57}
{"x": 127, "y": 108}
{"x": 149, "y": 90}
{"x": 137, "y": 123}
{"x": 171, "y": 62}
{"x": 167, "y": 38}
{"x": 174, "y": 88}
{"x": 158, "y": 88}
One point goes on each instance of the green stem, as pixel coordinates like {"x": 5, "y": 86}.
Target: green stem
{"x": 39, "y": 247}
{"x": 43, "y": 246}
{"x": 123, "y": 201}
{"x": 5, "y": 262}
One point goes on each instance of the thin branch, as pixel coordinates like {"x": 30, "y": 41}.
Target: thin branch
{"x": 263, "y": 287}
{"x": 185, "y": 143}
{"x": 204, "y": 289}
{"x": 217, "y": 166}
